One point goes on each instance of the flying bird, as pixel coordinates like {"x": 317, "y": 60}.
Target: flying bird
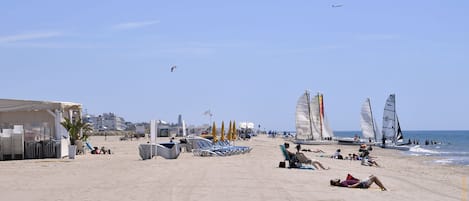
{"x": 337, "y": 5}
{"x": 173, "y": 68}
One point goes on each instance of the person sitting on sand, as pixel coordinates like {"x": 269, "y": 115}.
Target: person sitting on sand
{"x": 351, "y": 182}
{"x": 95, "y": 151}
{"x": 301, "y": 158}
{"x": 337, "y": 155}
{"x": 367, "y": 161}
{"x": 105, "y": 150}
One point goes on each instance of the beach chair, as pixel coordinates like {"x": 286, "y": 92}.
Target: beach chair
{"x": 287, "y": 158}
{"x": 293, "y": 162}
{"x": 88, "y": 145}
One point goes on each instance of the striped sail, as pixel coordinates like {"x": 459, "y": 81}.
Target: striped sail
{"x": 321, "y": 128}
{"x": 326, "y": 131}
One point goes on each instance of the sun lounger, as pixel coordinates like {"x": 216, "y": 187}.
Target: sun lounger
{"x": 204, "y": 147}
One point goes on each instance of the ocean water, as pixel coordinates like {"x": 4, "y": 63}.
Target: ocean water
{"x": 452, "y": 147}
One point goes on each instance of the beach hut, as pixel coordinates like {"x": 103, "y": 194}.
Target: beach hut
{"x": 36, "y": 125}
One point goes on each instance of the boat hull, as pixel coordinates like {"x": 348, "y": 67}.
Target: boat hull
{"x": 351, "y": 141}
{"x": 393, "y": 146}
{"x": 314, "y": 142}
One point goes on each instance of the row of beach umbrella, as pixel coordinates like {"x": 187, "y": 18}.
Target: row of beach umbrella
{"x": 232, "y": 134}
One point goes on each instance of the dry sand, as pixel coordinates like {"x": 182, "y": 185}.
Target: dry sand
{"x": 253, "y": 176}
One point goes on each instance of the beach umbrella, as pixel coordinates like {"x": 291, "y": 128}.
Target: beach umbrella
{"x": 222, "y": 132}
{"x": 214, "y": 133}
{"x": 230, "y": 133}
{"x": 234, "y": 131}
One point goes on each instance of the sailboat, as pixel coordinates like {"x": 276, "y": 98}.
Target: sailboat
{"x": 368, "y": 126}
{"x": 368, "y": 123}
{"x": 312, "y": 126}
{"x": 391, "y": 133}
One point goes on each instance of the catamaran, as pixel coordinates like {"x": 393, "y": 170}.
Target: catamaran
{"x": 391, "y": 133}
{"x": 311, "y": 125}
{"x": 368, "y": 126}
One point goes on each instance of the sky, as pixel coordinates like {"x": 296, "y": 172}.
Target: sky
{"x": 242, "y": 60}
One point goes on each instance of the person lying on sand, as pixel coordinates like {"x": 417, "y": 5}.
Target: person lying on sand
{"x": 314, "y": 151}
{"x": 352, "y": 182}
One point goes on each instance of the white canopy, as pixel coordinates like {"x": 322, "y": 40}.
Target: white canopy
{"x": 47, "y": 114}
{"x": 248, "y": 125}
{"x": 10, "y": 105}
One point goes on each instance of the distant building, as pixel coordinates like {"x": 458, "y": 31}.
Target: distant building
{"x": 106, "y": 122}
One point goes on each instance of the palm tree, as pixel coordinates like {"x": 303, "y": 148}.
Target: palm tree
{"x": 75, "y": 127}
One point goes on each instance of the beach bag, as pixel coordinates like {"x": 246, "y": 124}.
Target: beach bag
{"x": 281, "y": 164}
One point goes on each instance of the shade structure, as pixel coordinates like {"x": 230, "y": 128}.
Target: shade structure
{"x": 214, "y": 133}
{"x": 230, "y": 133}
{"x": 222, "y": 131}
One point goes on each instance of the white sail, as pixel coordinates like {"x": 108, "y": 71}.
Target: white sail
{"x": 367, "y": 121}
{"x": 310, "y": 123}
{"x": 315, "y": 118}
{"x": 377, "y": 132}
{"x": 303, "y": 117}
{"x": 326, "y": 129}
{"x": 391, "y": 128}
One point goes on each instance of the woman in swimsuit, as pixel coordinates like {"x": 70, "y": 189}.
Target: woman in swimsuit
{"x": 352, "y": 182}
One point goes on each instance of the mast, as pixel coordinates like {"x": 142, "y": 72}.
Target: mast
{"x": 395, "y": 122}
{"x": 372, "y": 119}
{"x": 309, "y": 114}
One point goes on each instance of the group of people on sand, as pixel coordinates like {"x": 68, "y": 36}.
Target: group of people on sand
{"x": 103, "y": 150}
{"x": 350, "y": 181}
{"x": 364, "y": 156}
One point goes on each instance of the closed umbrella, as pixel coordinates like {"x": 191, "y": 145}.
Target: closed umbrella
{"x": 235, "y": 136}
{"x": 214, "y": 133}
{"x": 222, "y": 132}
{"x": 230, "y": 133}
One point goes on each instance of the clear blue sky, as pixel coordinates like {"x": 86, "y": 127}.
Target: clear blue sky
{"x": 243, "y": 60}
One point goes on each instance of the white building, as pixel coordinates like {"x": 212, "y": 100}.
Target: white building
{"x": 106, "y": 122}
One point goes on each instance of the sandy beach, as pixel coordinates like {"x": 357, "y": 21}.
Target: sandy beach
{"x": 253, "y": 176}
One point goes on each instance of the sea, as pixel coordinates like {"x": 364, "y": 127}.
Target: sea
{"x": 448, "y": 147}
